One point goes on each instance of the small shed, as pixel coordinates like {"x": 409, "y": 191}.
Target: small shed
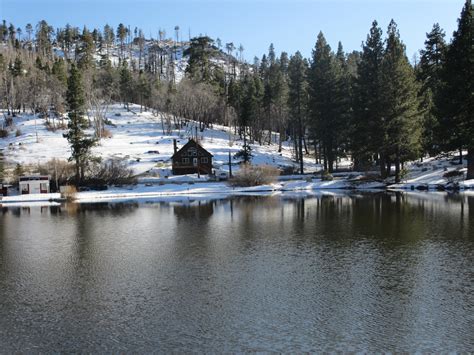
{"x": 34, "y": 184}
{"x": 192, "y": 158}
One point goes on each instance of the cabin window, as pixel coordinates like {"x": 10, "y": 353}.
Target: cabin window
{"x": 185, "y": 160}
{"x": 44, "y": 188}
{"x": 204, "y": 160}
{"x": 192, "y": 152}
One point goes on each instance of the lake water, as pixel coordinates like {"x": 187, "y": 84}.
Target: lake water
{"x": 358, "y": 272}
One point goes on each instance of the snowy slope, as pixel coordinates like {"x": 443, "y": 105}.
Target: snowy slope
{"x": 138, "y": 139}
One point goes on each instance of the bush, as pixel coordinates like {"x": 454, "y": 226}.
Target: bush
{"x": 254, "y": 175}
{"x": 3, "y": 133}
{"x": 454, "y": 175}
{"x": 404, "y": 173}
{"x": 110, "y": 172}
{"x": 106, "y": 133}
{"x": 69, "y": 192}
{"x": 326, "y": 176}
{"x": 289, "y": 170}
{"x": 18, "y": 133}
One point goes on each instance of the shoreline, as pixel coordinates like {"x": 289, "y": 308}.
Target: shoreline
{"x": 218, "y": 190}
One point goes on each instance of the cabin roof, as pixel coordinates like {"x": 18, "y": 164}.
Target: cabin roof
{"x": 191, "y": 142}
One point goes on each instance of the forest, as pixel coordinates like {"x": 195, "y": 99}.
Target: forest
{"x": 372, "y": 106}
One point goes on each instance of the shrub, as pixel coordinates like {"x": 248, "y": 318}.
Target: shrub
{"x": 453, "y": 175}
{"x": 326, "y": 176}
{"x": 106, "y": 133}
{"x": 18, "y": 133}
{"x": 404, "y": 173}
{"x": 3, "y": 133}
{"x": 288, "y": 170}
{"x": 109, "y": 172}
{"x": 69, "y": 192}
{"x": 254, "y": 175}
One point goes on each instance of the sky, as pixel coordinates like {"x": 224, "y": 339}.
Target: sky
{"x": 291, "y": 25}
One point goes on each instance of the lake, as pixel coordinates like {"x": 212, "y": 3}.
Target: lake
{"x": 288, "y": 273}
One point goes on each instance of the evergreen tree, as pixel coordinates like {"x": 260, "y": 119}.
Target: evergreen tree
{"x": 297, "y": 98}
{"x": 86, "y": 50}
{"x": 80, "y": 143}
{"x": 325, "y": 122}
{"x": 4, "y": 31}
{"x": 343, "y": 115}
{"x": 59, "y": 71}
{"x": 456, "y": 98}
{"x": 121, "y": 35}
{"x": 29, "y": 30}
{"x": 252, "y": 92}
{"x": 429, "y": 76}
{"x": 200, "y": 68}
{"x": 401, "y": 117}
{"x": 367, "y": 122}
{"x": 126, "y": 85}
{"x": 43, "y": 38}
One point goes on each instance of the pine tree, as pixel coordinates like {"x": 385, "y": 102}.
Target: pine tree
{"x": 86, "y": 50}
{"x": 43, "y": 38}
{"x": 297, "y": 98}
{"x": 200, "y": 67}
{"x": 343, "y": 98}
{"x": 429, "y": 76}
{"x": 80, "y": 143}
{"x": 252, "y": 92}
{"x": 121, "y": 35}
{"x": 59, "y": 70}
{"x": 126, "y": 85}
{"x": 367, "y": 124}
{"x": 401, "y": 117}
{"x": 324, "y": 123}
{"x": 456, "y": 98}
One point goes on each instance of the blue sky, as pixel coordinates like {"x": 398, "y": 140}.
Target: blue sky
{"x": 290, "y": 24}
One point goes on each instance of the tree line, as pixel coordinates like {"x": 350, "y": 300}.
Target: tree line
{"x": 372, "y": 106}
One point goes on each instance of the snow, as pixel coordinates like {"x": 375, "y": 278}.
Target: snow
{"x": 31, "y": 198}
{"x": 429, "y": 174}
{"x": 138, "y": 139}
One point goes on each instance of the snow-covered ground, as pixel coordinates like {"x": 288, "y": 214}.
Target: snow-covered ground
{"x": 139, "y": 140}
{"x": 430, "y": 174}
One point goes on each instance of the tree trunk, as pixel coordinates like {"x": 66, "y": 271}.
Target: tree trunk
{"x": 280, "y": 140}
{"x": 460, "y": 156}
{"x": 383, "y": 172}
{"x": 470, "y": 163}
{"x": 78, "y": 175}
{"x": 397, "y": 168}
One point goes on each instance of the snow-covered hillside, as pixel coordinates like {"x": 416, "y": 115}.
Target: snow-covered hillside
{"x": 138, "y": 139}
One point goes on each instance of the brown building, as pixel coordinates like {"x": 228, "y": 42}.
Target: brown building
{"x": 191, "y": 159}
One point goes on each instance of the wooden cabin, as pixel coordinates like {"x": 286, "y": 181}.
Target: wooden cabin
{"x": 191, "y": 159}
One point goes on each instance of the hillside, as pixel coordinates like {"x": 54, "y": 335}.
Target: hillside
{"x": 137, "y": 139}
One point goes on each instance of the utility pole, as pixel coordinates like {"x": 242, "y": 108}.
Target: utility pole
{"x": 230, "y": 165}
